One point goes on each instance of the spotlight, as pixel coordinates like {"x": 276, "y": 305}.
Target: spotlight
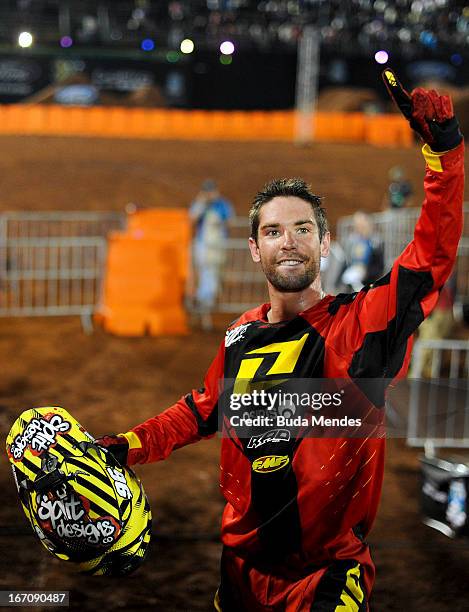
{"x": 172, "y": 57}
{"x": 25, "y": 39}
{"x": 187, "y": 45}
{"x": 227, "y": 47}
{"x": 66, "y": 42}
{"x": 381, "y": 57}
{"x": 148, "y": 44}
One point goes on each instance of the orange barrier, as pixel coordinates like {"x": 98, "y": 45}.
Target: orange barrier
{"x": 145, "y": 276}
{"x": 117, "y": 122}
{"x": 161, "y": 223}
{"x": 388, "y": 130}
{"x": 345, "y": 127}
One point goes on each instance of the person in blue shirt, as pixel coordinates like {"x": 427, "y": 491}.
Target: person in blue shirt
{"x": 363, "y": 252}
{"x": 210, "y": 214}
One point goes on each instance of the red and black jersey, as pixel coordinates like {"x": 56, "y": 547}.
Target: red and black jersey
{"x": 321, "y": 505}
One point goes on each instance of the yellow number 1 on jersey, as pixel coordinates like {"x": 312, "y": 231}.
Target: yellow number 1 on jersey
{"x": 288, "y": 354}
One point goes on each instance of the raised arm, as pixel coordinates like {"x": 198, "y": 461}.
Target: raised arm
{"x": 425, "y": 265}
{"x": 439, "y": 227}
{"x": 387, "y": 313}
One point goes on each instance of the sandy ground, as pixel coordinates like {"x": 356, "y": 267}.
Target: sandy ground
{"x": 98, "y": 174}
{"x": 112, "y": 383}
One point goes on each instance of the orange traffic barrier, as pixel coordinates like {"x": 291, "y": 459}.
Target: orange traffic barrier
{"x": 117, "y": 122}
{"x": 160, "y": 223}
{"x": 145, "y": 276}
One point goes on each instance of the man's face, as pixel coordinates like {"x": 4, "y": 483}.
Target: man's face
{"x": 288, "y": 246}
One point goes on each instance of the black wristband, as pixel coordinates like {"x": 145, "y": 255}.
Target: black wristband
{"x": 447, "y": 135}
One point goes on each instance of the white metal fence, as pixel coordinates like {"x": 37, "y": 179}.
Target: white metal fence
{"x": 52, "y": 263}
{"x": 396, "y": 229}
{"x": 243, "y": 284}
{"x": 439, "y": 406}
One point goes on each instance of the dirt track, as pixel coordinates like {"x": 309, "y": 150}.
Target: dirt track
{"x": 111, "y": 383}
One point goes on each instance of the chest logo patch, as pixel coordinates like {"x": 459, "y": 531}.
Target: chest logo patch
{"x": 270, "y": 463}
{"x": 274, "y": 435}
{"x": 233, "y": 335}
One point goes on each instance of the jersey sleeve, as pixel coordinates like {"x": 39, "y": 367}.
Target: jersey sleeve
{"x": 193, "y": 417}
{"x": 386, "y": 313}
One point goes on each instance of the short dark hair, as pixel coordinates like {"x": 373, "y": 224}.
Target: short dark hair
{"x": 287, "y": 187}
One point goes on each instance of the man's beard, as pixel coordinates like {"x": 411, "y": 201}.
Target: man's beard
{"x": 291, "y": 283}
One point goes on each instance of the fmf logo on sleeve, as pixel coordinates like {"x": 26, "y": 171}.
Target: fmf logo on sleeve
{"x": 270, "y": 463}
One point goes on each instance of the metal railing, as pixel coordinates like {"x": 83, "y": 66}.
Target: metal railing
{"x": 396, "y": 230}
{"x": 243, "y": 283}
{"x": 439, "y": 405}
{"x": 52, "y": 263}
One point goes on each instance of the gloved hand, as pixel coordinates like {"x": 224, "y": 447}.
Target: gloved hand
{"x": 428, "y": 113}
{"x": 117, "y": 445}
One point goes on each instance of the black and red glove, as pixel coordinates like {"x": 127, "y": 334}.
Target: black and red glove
{"x": 429, "y": 114}
{"x": 117, "y": 445}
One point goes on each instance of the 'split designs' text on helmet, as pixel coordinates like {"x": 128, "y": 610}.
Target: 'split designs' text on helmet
{"x": 82, "y": 504}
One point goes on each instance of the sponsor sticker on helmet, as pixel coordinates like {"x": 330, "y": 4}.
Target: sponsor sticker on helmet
{"x": 270, "y": 463}
{"x": 65, "y": 514}
{"x": 120, "y": 483}
{"x": 39, "y": 435}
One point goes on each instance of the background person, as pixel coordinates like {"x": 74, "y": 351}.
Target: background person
{"x": 363, "y": 253}
{"x": 439, "y": 325}
{"x": 210, "y": 214}
{"x": 399, "y": 189}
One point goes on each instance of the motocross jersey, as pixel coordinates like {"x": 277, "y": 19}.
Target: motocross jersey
{"x": 319, "y": 502}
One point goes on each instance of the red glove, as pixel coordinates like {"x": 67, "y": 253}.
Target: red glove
{"x": 118, "y": 446}
{"x": 428, "y": 113}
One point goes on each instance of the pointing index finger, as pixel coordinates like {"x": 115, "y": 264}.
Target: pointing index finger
{"x": 397, "y": 92}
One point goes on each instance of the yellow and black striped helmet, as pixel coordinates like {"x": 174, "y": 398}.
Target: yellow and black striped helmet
{"x": 82, "y": 504}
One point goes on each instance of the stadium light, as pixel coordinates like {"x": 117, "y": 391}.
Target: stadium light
{"x": 172, "y": 57}
{"x": 187, "y": 45}
{"x": 381, "y": 57}
{"x": 66, "y": 41}
{"x": 227, "y": 47}
{"x": 25, "y": 39}
{"x": 148, "y": 44}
